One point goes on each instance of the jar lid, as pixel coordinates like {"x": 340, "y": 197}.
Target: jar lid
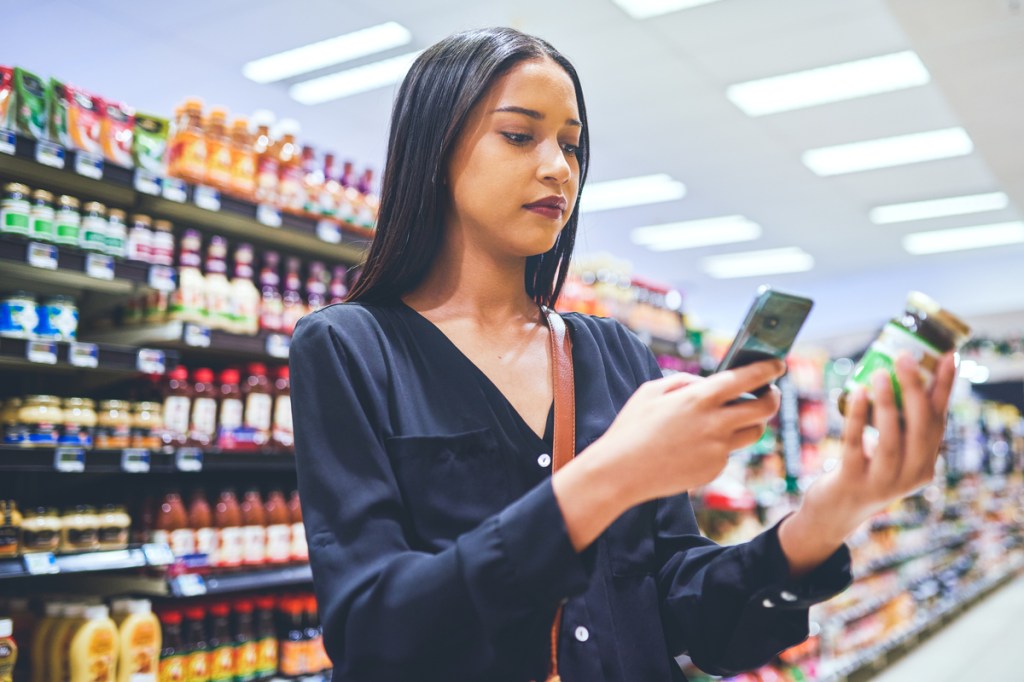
{"x": 22, "y": 295}
{"x": 116, "y": 214}
{"x": 87, "y": 403}
{"x": 926, "y": 304}
{"x": 69, "y": 201}
{"x": 142, "y": 219}
{"x": 80, "y": 509}
{"x": 163, "y": 226}
{"x": 16, "y": 187}
{"x": 60, "y": 298}
{"x": 42, "y": 194}
{"x": 13, "y": 402}
{"x": 42, "y": 400}
{"x": 114, "y": 405}
{"x": 95, "y": 206}
{"x": 147, "y": 407}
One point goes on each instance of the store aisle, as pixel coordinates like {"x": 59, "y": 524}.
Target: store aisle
{"x": 983, "y": 644}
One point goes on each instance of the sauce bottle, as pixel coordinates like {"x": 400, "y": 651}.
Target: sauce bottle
{"x": 289, "y": 166}
{"x": 197, "y": 663}
{"x": 231, "y": 412}
{"x": 254, "y": 528}
{"x": 177, "y": 407}
{"x": 348, "y": 197}
{"x": 338, "y": 289}
{"x": 317, "y": 654}
{"x": 189, "y": 144}
{"x": 300, "y": 551}
{"x": 282, "y": 431}
{"x": 246, "y": 646}
{"x": 243, "y": 161}
{"x": 8, "y": 650}
{"x": 173, "y": 652}
{"x": 227, "y": 518}
{"x": 188, "y": 301}
{"x": 218, "y": 150}
{"x": 271, "y": 303}
{"x": 203, "y": 424}
{"x": 327, "y": 201}
{"x": 316, "y": 286}
{"x": 139, "y": 643}
{"x": 366, "y": 211}
{"x": 312, "y": 181}
{"x": 200, "y": 520}
{"x": 266, "y": 158}
{"x": 58, "y": 647}
{"x": 10, "y": 529}
{"x": 222, "y": 646}
{"x": 293, "y": 649}
{"x": 23, "y": 623}
{"x": 294, "y": 306}
{"x": 43, "y": 635}
{"x": 279, "y": 528}
{"x": 266, "y": 634}
{"x": 244, "y": 296}
{"x": 94, "y": 647}
{"x": 258, "y": 403}
{"x": 217, "y": 288}
{"x": 172, "y": 527}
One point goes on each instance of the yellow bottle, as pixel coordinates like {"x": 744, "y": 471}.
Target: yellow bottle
{"x": 58, "y": 666}
{"x": 39, "y": 649}
{"x": 139, "y": 643}
{"x": 8, "y": 650}
{"x": 94, "y": 647}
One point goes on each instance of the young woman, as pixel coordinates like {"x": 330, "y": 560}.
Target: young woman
{"x": 441, "y": 543}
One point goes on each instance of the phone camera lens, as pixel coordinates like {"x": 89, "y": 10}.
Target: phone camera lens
{"x": 772, "y": 322}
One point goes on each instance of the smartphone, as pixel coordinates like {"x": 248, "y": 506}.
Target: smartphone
{"x": 768, "y": 332}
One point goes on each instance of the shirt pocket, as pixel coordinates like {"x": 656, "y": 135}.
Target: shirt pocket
{"x": 450, "y": 482}
{"x": 630, "y": 543}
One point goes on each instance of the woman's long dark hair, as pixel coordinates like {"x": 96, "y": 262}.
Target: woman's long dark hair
{"x": 433, "y": 102}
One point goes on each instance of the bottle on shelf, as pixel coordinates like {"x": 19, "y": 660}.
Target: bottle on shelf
{"x": 140, "y": 239}
{"x": 282, "y": 432}
{"x": 222, "y": 649}
{"x": 312, "y": 181}
{"x": 173, "y": 652}
{"x": 271, "y": 302}
{"x": 254, "y": 528}
{"x": 218, "y": 150}
{"x": 266, "y": 634}
{"x": 177, "y": 407}
{"x": 266, "y": 158}
{"x": 244, "y": 297}
{"x": 279, "y": 529}
{"x": 338, "y": 289}
{"x": 348, "y": 198}
{"x": 197, "y": 650}
{"x": 171, "y": 525}
{"x": 8, "y": 650}
{"x": 39, "y": 649}
{"x": 366, "y": 208}
{"x": 227, "y": 518}
{"x": 293, "y": 650}
{"x": 300, "y": 551}
{"x": 188, "y": 147}
{"x": 259, "y": 403}
{"x": 188, "y": 301}
{"x": 294, "y": 305}
{"x": 163, "y": 243}
{"x": 316, "y": 286}
{"x": 246, "y": 645}
{"x": 316, "y": 654}
{"x": 139, "y": 642}
{"x": 230, "y": 415}
{"x": 330, "y": 188}
{"x": 243, "y": 161}
{"x": 289, "y": 164}
{"x": 203, "y": 424}
{"x": 217, "y": 288}
{"x": 94, "y": 647}
{"x": 200, "y": 520}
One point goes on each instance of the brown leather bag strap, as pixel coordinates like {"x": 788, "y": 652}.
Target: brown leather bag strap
{"x": 563, "y": 387}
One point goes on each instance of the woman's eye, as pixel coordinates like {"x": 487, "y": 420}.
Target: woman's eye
{"x": 571, "y": 148}
{"x": 517, "y": 138}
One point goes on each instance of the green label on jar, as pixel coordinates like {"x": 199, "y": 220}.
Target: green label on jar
{"x": 14, "y": 222}
{"x": 67, "y": 233}
{"x": 890, "y": 344}
{"x": 43, "y": 229}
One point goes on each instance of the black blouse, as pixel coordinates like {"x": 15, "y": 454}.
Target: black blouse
{"x": 438, "y": 548}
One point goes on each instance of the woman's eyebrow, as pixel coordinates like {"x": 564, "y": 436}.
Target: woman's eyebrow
{"x": 534, "y": 114}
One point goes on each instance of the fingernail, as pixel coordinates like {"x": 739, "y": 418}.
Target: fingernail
{"x": 881, "y": 380}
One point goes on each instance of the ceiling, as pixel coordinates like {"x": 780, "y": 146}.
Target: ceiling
{"x": 655, "y": 99}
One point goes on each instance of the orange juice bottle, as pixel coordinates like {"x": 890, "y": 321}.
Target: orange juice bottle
{"x": 218, "y": 150}
{"x": 289, "y": 166}
{"x": 189, "y": 144}
{"x": 266, "y": 158}
{"x": 243, "y": 160}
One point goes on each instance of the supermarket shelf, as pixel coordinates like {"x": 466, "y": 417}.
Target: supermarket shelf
{"x": 898, "y": 558}
{"x": 79, "y": 460}
{"x": 187, "y": 585}
{"x": 64, "y": 356}
{"x": 258, "y": 580}
{"x": 341, "y": 242}
{"x": 198, "y": 341}
{"x": 45, "y": 563}
{"x": 72, "y": 270}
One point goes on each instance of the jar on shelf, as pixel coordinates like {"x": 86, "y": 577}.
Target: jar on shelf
{"x": 93, "y": 234}
{"x": 147, "y": 424}
{"x": 41, "y": 416}
{"x": 67, "y": 220}
{"x": 114, "y": 524}
{"x": 140, "y": 239}
{"x": 79, "y": 529}
{"x": 41, "y": 530}
{"x": 117, "y": 233}
{"x": 41, "y": 217}
{"x": 14, "y": 432}
{"x": 163, "y": 243}
{"x": 15, "y": 209}
{"x": 58, "y": 319}
{"x": 79, "y": 422}
{"x": 114, "y": 425}
{"x": 19, "y": 316}
{"x": 10, "y": 529}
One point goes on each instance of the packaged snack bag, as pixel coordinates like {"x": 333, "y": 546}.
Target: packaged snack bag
{"x": 116, "y": 132}
{"x": 59, "y": 117}
{"x": 6, "y": 97}
{"x": 31, "y": 100}
{"x": 84, "y": 112}
{"x": 149, "y": 144}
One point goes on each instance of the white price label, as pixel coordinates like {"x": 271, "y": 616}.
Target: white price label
{"x": 268, "y": 215}
{"x": 86, "y": 355}
{"x": 158, "y": 554}
{"x": 161, "y": 278}
{"x": 135, "y": 461}
{"x": 278, "y": 345}
{"x": 196, "y": 336}
{"x": 99, "y": 266}
{"x": 50, "y": 154}
{"x": 147, "y": 182}
{"x": 151, "y": 361}
{"x": 43, "y": 352}
{"x": 40, "y": 563}
{"x": 189, "y": 585}
{"x": 89, "y": 165}
{"x": 188, "y": 459}
{"x": 69, "y": 460}
{"x": 175, "y": 190}
{"x": 206, "y": 197}
{"x": 42, "y": 256}
{"x": 328, "y": 231}
{"x": 8, "y": 141}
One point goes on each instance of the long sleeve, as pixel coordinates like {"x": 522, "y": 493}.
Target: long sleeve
{"x": 387, "y": 610}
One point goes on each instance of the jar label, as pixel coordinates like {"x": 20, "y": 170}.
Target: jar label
{"x": 42, "y": 228}
{"x": 14, "y": 219}
{"x": 198, "y": 667}
{"x": 882, "y": 354}
{"x": 42, "y": 540}
{"x": 222, "y": 664}
{"x": 246, "y": 658}
{"x": 183, "y": 542}
{"x": 266, "y": 662}
{"x": 206, "y": 542}
{"x": 300, "y": 552}
{"x": 176, "y": 408}
{"x": 258, "y": 408}
{"x": 230, "y": 550}
{"x": 231, "y": 414}
{"x": 204, "y": 417}
{"x": 255, "y": 544}
{"x": 113, "y": 536}
{"x": 172, "y": 668}
{"x": 283, "y": 432}
{"x": 82, "y": 538}
{"x": 93, "y": 234}
{"x": 279, "y": 543}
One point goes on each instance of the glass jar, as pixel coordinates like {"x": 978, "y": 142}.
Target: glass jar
{"x": 114, "y": 425}
{"x": 114, "y": 524}
{"x": 147, "y": 424}
{"x": 15, "y": 209}
{"x": 67, "y": 221}
{"x": 41, "y": 530}
{"x": 58, "y": 319}
{"x": 93, "y": 234}
{"x": 117, "y": 233}
{"x": 925, "y": 330}
{"x": 79, "y": 422}
{"x": 10, "y": 529}
{"x": 15, "y": 432}
{"x": 79, "y": 529}
{"x": 41, "y": 416}
{"x": 41, "y": 216}
{"x": 19, "y": 316}
{"x": 163, "y": 243}
{"x": 140, "y": 239}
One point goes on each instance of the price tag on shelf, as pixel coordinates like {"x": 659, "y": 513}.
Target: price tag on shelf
{"x": 175, "y": 190}
{"x": 40, "y": 563}
{"x": 85, "y": 355}
{"x": 42, "y": 255}
{"x": 196, "y": 336}
{"x": 69, "y": 460}
{"x": 268, "y": 215}
{"x": 135, "y": 460}
{"x": 99, "y": 266}
{"x": 8, "y": 141}
{"x": 50, "y": 154}
{"x": 328, "y": 231}
{"x": 43, "y": 352}
{"x": 278, "y": 345}
{"x": 158, "y": 554}
{"x": 206, "y": 197}
{"x": 147, "y": 182}
{"x": 89, "y": 165}
{"x": 161, "y": 278}
{"x": 150, "y": 361}
{"x": 188, "y": 585}
{"x": 188, "y": 459}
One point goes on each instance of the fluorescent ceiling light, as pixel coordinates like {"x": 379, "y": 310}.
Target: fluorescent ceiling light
{"x": 328, "y": 52}
{"x": 974, "y": 372}
{"x": 829, "y": 84}
{"x": 696, "y": 233}
{"x": 645, "y": 9}
{"x": 963, "y": 238}
{"x": 754, "y": 263}
{"x": 890, "y": 151}
{"x": 938, "y": 208}
{"x": 645, "y": 189}
{"x": 353, "y": 81}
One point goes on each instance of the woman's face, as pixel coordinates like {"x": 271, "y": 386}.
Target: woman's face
{"x": 514, "y": 175}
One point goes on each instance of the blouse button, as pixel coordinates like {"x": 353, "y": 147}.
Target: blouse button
{"x": 582, "y": 634}
{"x": 788, "y": 596}
{"x": 768, "y": 604}
{"x": 544, "y": 460}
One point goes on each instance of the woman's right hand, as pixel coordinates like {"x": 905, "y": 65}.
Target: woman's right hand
{"x": 675, "y": 434}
